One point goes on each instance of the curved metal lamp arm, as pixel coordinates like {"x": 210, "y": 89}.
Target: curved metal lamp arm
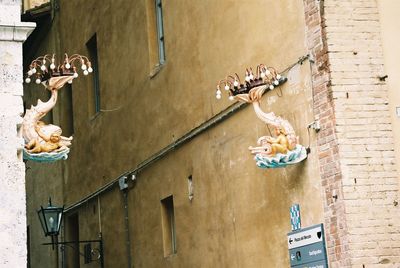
{"x": 96, "y": 251}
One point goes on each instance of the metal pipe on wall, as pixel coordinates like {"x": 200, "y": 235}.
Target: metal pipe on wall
{"x": 127, "y": 233}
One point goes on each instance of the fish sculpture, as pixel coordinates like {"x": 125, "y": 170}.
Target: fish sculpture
{"x": 44, "y": 142}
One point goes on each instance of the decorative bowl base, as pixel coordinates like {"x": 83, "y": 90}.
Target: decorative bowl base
{"x": 282, "y": 160}
{"x": 47, "y": 157}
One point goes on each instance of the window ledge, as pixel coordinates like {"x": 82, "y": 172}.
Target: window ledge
{"x": 170, "y": 256}
{"x": 155, "y": 70}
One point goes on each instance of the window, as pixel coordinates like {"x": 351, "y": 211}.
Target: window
{"x": 67, "y": 115}
{"x": 155, "y": 32}
{"x": 168, "y": 226}
{"x": 49, "y": 116}
{"x": 160, "y": 32}
{"x": 190, "y": 187}
{"x": 92, "y": 48}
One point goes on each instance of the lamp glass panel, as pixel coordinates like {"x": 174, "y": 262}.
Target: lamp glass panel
{"x": 42, "y": 220}
{"x": 52, "y": 220}
{"x": 60, "y": 219}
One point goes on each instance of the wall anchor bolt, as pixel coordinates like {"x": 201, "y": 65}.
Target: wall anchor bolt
{"x": 315, "y": 125}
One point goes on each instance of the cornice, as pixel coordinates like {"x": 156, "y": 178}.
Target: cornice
{"x": 16, "y": 31}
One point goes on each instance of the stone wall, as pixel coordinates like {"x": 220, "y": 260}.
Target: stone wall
{"x": 356, "y": 146}
{"x": 12, "y": 168}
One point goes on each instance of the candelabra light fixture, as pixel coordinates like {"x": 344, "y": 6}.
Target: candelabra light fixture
{"x": 45, "y": 67}
{"x": 264, "y": 76}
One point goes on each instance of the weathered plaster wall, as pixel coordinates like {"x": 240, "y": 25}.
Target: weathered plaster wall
{"x": 198, "y": 58}
{"x": 239, "y": 216}
{"x": 12, "y": 169}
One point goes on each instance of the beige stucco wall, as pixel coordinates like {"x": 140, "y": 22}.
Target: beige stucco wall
{"x": 388, "y": 11}
{"x": 239, "y": 216}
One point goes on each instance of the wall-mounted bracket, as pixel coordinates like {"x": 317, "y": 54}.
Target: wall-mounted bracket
{"x": 123, "y": 183}
{"x": 315, "y": 125}
{"x": 398, "y": 111}
{"x": 90, "y": 254}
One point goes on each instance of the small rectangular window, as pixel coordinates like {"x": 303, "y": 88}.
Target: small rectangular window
{"x": 93, "y": 57}
{"x": 67, "y": 115}
{"x": 168, "y": 226}
{"x": 160, "y": 32}
{"x": 49, "y": 116}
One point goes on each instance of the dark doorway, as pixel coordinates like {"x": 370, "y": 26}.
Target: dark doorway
{"x": 72, "y": 234}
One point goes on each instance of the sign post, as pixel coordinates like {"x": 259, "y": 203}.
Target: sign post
{"x": 307, "y": 247}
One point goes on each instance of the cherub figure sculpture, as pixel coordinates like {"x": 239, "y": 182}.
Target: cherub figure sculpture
{"x": 45, "y": 142}
{"x": 270, "y": 146}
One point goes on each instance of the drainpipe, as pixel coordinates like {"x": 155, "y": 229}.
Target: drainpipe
{"x": 123, "y": 186}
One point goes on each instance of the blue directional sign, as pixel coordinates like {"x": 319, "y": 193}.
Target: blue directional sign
{"x": 307, "y": 248}
{"x": 307, "y": 254}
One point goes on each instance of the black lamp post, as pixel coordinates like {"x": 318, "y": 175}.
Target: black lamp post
{"x": 51, "y": 218}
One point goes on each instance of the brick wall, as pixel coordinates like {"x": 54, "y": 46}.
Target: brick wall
{"x": 356, "y": 153}
{"x": 331, "y": 177}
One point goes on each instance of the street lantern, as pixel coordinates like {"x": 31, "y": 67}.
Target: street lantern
{"x": 51, "y": 218}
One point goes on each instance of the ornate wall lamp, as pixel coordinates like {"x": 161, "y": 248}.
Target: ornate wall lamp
{"x": 265, "y": 76}
{"x": 271, "y": 152}
{"x": 51, "y": 219}
{"x": 43, "y": 142}
{"x": 43, "y": 71}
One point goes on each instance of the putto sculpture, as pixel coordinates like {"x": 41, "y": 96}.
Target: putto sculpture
{"x": 271, "y": 152}
{"x": 44, "y": 142}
